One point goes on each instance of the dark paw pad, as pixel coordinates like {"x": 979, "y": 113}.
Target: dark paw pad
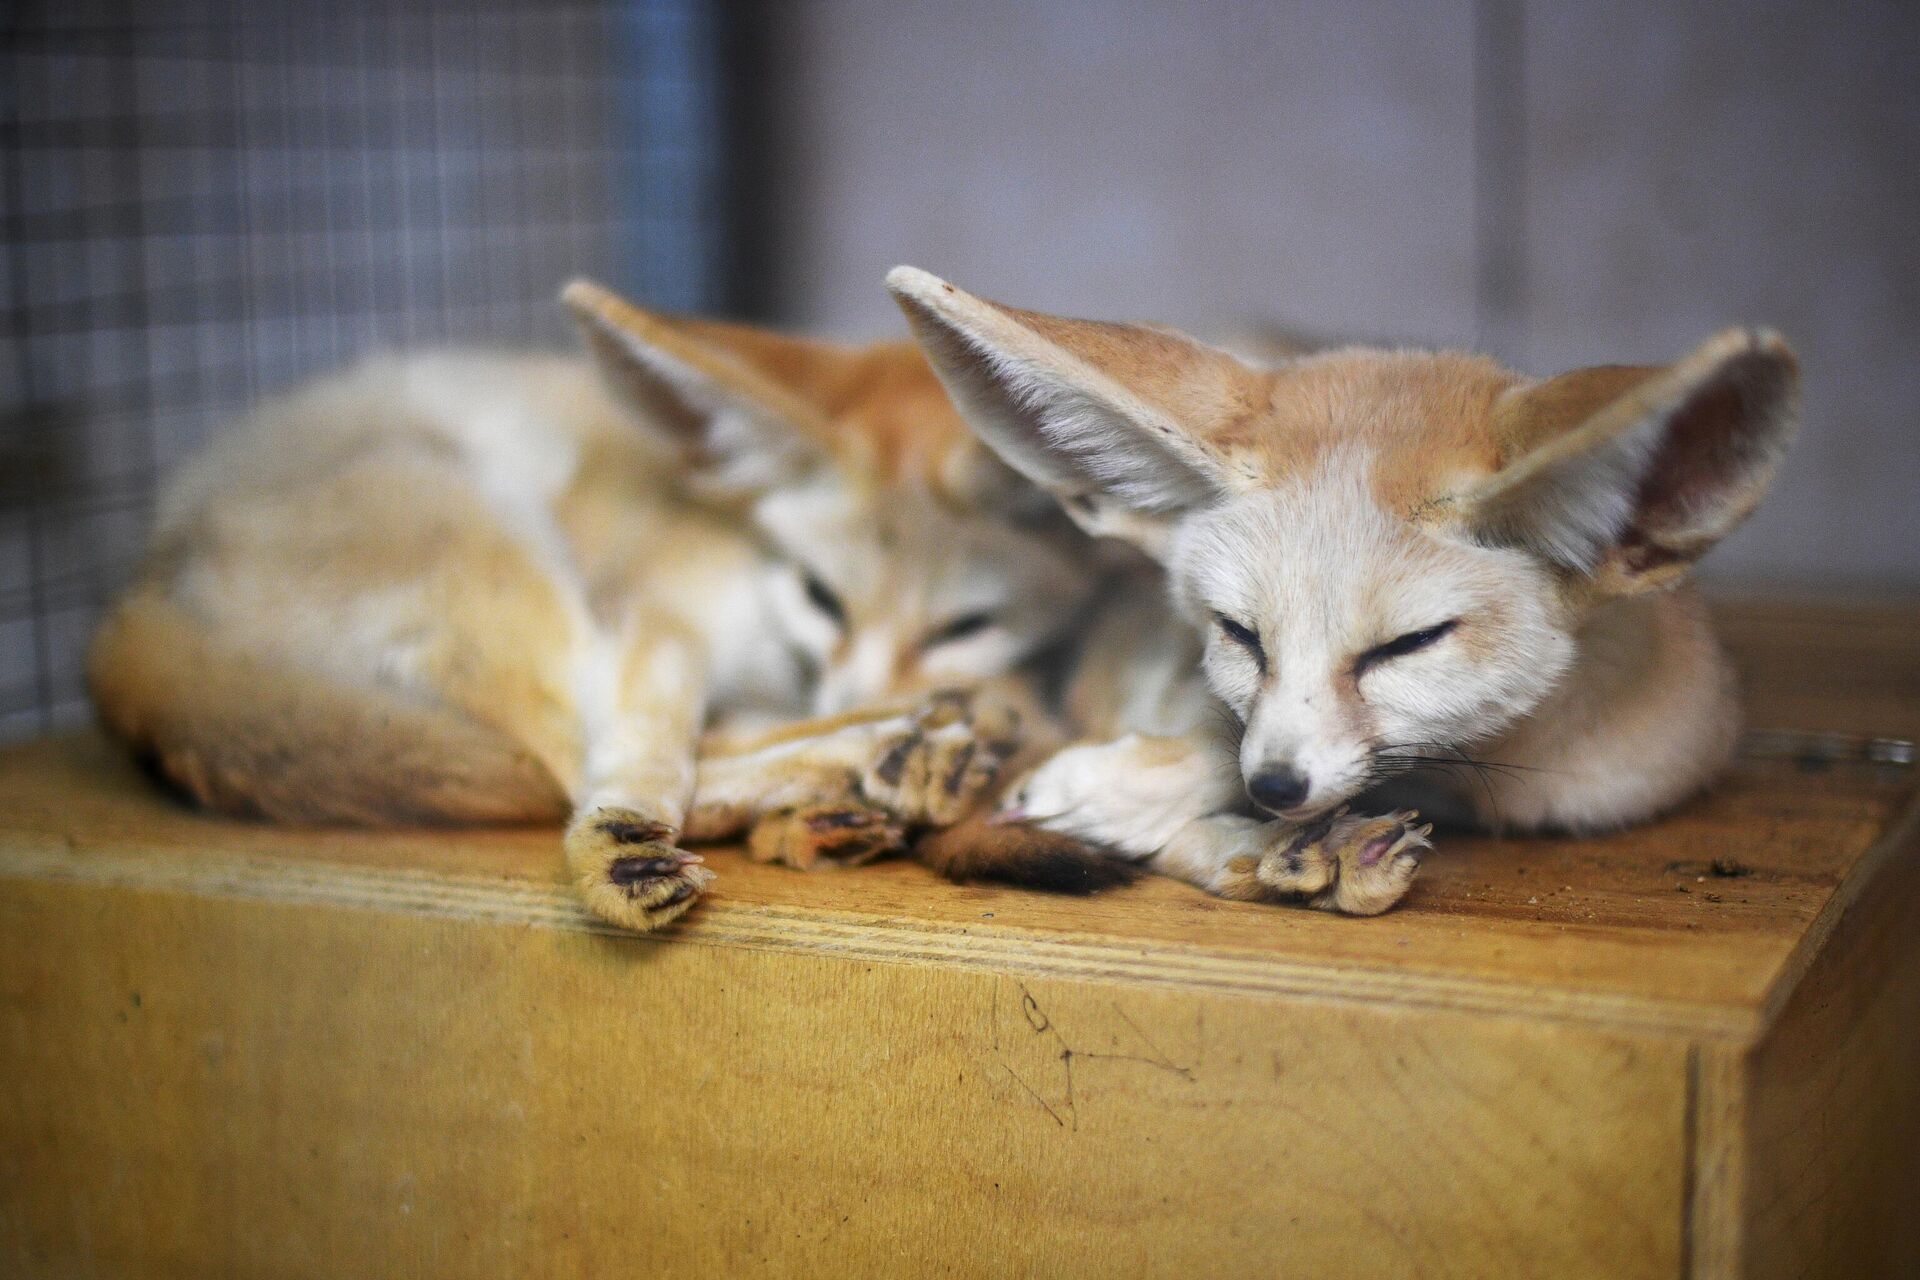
{"x": 629, "y": 831}
{"x": 680, "y": 893}
{"x": 957, "y": 776}
{"x": 831, "y": 821}
{"x": 627, "y": 872}
{"x": 893, "y": 765}
{"x": 851, "y": 836}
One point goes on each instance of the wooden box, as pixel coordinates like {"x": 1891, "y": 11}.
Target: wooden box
{"x": 1690, "y": 1050}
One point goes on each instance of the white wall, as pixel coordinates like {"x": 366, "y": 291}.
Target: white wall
{"x": 1679, "y": 167}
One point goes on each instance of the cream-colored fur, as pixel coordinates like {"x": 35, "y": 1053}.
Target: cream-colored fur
{"x": 1402, "y": 577}
{"x": 485, "y": 587}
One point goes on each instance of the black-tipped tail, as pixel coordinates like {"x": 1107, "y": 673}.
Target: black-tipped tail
{"x": 1020, "y": 854}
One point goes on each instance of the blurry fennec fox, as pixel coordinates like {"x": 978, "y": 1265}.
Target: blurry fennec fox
{"x": 479, "y": 588}
{"x": 1385, "y": 560}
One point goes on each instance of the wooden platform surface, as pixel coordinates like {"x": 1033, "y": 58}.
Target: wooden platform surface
{"x": 1698, "y": 924}
{"x": 1689, "y": 1050}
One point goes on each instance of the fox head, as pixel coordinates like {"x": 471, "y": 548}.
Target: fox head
{"x": 1388, "y": 552}
{"x": 899, "y": 554}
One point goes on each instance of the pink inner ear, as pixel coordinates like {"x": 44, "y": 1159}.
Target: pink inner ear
{"x": 1708, "y": 454}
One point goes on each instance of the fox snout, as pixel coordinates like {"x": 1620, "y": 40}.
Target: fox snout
{"x": 1296, "y": 761}
{"x": 1298, "y": 791}
{"x": 1285, "y": 789}
{"x": 1288, "y": 790}
{"x": 1278, "y": 788}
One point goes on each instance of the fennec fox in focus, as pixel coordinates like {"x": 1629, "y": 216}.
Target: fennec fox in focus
{"x": 1392, "y": 566}
{"x": 486, "y": 588}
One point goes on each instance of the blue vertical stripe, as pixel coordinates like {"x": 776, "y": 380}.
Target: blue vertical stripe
{"x": 672, "y": 104}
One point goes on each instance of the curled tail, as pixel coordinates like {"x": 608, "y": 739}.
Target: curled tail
{"x": 1021, "y": 854}
{"x": 243, "y": 734}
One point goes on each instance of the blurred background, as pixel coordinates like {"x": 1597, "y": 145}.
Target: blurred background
{"x": 203, "y": 202}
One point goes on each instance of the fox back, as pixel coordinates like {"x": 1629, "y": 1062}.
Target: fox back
{"x": 405, "y": 592}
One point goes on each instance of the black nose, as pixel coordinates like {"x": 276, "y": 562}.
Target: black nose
{"x": 1277, "y": 788}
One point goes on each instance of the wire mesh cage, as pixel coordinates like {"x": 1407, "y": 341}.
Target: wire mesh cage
{"x": 203, "y": 203}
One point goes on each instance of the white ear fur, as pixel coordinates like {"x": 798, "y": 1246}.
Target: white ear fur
{"x": 1118, "y": 463}
{"x": 1647, "y": 481}
{"x": 977, "y": 479}
{"x": 740, "y": 431}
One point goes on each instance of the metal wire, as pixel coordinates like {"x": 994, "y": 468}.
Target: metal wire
{"x": 200, "y": 203}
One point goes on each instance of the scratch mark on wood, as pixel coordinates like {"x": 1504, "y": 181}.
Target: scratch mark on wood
{"x": 1032, "y": 1093}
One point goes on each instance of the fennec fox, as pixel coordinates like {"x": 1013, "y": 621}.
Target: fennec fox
{"x": 1392, "y": 566}
{"x": 488, "y": 588}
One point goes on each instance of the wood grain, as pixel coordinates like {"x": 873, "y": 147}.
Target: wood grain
{"x": 1832, "y": 1105}
{"x": 233, "y": 1049}
{"x": 253, "y": 1088}
{"x": 1633, "y": 929}
{"x": 1827, "y": 665}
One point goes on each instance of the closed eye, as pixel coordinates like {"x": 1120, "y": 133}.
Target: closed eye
{"x": 821, "y": 596}
{"x": 967, "y": 624}
{"x": 1244, "y": 636}
{"x": 1400, "y": 646}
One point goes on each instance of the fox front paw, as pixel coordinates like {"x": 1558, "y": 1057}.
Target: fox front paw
{"x": 842, "y": 835}
{"x": 1133, "y": 794}
{"x": 629, "y": 870}
{"x": 934, "y": 769}
{"x": 1358, "y": 866}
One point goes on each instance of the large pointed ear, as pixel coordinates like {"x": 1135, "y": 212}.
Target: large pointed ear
{"x": 1110, "y": 419}
{"x": 728, "y": 397}
{"x": 1631, "y": 474}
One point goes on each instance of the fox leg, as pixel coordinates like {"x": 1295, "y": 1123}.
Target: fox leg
{"x": 1132, "y": 795}
{"x": 797, "y": 800}
{"x": 612, "y": 712}
{"x": 835, "y": 772}
{"x": 1355, "y": 865}
{"x": 1169, "y": 803}
{"x": 641, "y": 705}
{"x": 849, "y": 788}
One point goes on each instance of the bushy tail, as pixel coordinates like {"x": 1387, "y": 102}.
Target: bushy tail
{"x": 244, "y": 735}
{"x": 1021, "y": 854}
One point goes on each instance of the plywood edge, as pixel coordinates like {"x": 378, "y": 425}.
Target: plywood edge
{"x": 866, "y": 936}
{"x": 1873, "y": 870}
{"x": 1715, "y": 1203}
{"x": 1805, "y": 1104}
